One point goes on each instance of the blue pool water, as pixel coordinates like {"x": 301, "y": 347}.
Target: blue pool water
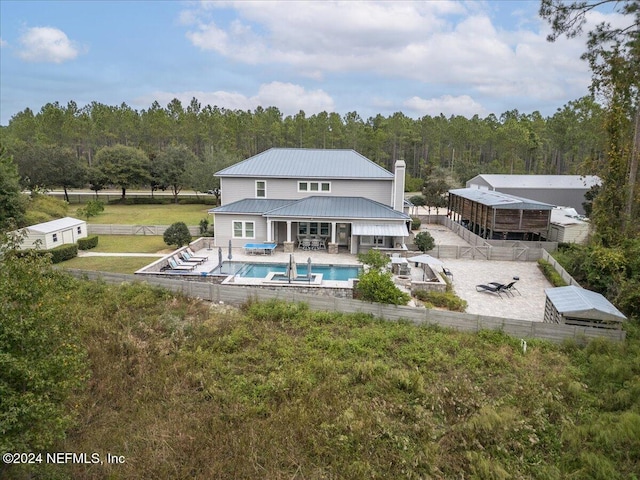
{"x": 261, "y": 270}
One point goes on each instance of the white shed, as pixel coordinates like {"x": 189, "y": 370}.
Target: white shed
{"x": 567, "y": 226}
{"x": 54, "y": 233}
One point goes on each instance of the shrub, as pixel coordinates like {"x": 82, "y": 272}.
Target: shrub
{"x": 64, "y": 252}
{"x": 204, "y": 226}
{"x": 551, "y": 274}
{"x": 415, "y": 223}
{"x": 197, "y": 201}
{"x": 424, "y": 241}
{"x": 88, "y": 242}
{"x": 91, "y": 209}
{"x": 448, "y": 300}
{"x": 374, "y": 258}
{"x": 377, "y": 286}
{"x": 177, "y": 234}
{"x": 140, "y": 201}
{"x": 418, "y": 200}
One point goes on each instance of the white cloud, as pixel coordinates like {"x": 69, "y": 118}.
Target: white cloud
{"x": 448, "y": 105}
{"x": 47, "y": 44}
{"x": 3, "y": 43}
{"x": 440, "y": 43}
{"x": 289, "y": 99}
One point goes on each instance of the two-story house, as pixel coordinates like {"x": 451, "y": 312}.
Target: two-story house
{"x": 287, "y": 195}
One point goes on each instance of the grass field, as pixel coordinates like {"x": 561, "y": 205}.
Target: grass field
{"x": 131, "y": 244}
{"x": 108, "y": 264}
{"x": 152, "y": 214}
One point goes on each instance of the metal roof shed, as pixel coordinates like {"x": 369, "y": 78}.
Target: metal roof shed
{"x": 54, "y": 233}
{"x": 497, "y": 215}
{"x": 576, "y": 306}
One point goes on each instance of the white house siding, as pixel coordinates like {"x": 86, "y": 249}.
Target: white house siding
{"x": 234, "y": 189}
{"x": 572, "y": 233}
{"x": 223, "y": 229}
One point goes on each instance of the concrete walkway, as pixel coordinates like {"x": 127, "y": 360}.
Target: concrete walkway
{"x": 82, "y": 253}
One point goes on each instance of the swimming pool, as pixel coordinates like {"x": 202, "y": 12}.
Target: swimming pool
{"x": 262, "y": 270}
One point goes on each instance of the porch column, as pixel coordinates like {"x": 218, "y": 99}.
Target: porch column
{"x": 288, "y": 245}
{"x": 333, "y": 232}
{"x": 269, "y": 230}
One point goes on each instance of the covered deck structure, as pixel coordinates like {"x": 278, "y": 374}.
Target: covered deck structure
{"x": 499, "y": 216}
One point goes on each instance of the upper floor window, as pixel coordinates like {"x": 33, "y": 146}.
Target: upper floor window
{"x": 261, "y": 189}
{"x": 314, "y": 186}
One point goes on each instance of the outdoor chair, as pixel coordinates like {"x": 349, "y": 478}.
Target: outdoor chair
{"x": 188, "y": 258}
{"x": 182, "y": 262}
{"x": 509, "y": 287}
{"x": 306, "y": 244}
{"x": 447, "y": 273}
{"x": 194, "y": 256}
{"x": 491, "y": 289}
{"x": 174, "y": 265}
{"x": 315, "y": 244}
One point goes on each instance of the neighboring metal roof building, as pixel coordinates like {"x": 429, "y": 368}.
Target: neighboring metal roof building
{"x": 499, "y": 200}
{"x": 337, "y": 207}
{"x": 56, "y": 225}
{"x": 577, "y": 303}
{"x": 251, "y": 206}
{"x": 536, "y": 181}
{"x": 307, "y": 163}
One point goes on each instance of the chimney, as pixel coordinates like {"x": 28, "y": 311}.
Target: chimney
{"x": 398, "y": 186}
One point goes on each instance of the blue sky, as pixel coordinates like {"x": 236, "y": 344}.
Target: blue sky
{"x": 426, "y": 57}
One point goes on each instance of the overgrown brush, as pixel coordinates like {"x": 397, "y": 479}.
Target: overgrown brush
{"x": 184, "y": 389}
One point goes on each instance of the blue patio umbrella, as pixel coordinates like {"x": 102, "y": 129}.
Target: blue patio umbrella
{"x": 309, "y": 269}
{"x": 230, "y": 256}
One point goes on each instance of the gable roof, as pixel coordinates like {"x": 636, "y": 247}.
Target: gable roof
{"x": 580, "y": 303}
{"x": 55, "y": 225}
{"x": 500, "y": 200}
{"x": 538, "y": 181}
{"x": 307, "y": 163}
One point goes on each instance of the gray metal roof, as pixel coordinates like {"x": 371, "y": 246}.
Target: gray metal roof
{"x": 539, "y": 181}
{"x": 338, "y": 207}
{"x": 251, "y": 206}
{"x": 307, "y": 163}
{"x": 56, "y": 225}
{"x": 500, "y": 200}
{"x": 580, "y": 303}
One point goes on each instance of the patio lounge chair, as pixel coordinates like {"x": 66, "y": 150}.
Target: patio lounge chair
{"x": 182, "y": 262}
{"x": 194, "y": 256}
{"x": 491, "y": 289}
{"x": 509, "y": 287}
{"x": 173, "y": 265}
{"x": 188, "y": 258}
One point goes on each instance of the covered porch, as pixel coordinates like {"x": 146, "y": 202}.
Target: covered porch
{"x": 335, "y": 234}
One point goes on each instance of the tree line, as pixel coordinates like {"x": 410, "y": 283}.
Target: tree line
{"x": 60, "y": 145}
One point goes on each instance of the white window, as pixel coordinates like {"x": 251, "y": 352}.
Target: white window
{"x": 55, "y": 237}
{"x": 261, "y": 189}
{"x": 371, "y": 240}
{"x": 314, "y": 187}
{"x": 243, "y": 229}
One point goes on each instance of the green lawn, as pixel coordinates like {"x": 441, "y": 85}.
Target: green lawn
{"x": 108, "y": 264}
{"x": 130, "y": 244}
{"x": 152, "y": 214}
